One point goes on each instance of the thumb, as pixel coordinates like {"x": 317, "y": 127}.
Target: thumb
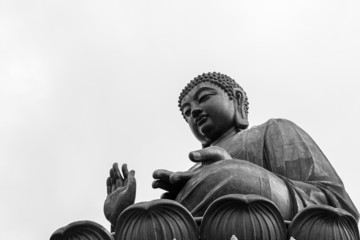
{"x": 131, "y": 186}
{"x": 130, "y": 181}
{"x": 209, "y": 154}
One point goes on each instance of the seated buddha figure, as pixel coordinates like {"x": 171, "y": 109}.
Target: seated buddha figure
{"x": 277, "y": 160}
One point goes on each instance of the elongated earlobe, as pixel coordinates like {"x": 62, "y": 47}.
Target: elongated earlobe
{"x": 241, "y": 121}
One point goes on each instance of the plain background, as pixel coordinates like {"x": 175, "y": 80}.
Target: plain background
{"x": 86, "y": 83}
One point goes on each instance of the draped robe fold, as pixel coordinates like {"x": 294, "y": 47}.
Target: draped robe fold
{"x": 286, "y": 152}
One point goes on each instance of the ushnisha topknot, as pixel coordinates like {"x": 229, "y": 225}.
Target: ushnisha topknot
{"x": 223, "y": 81}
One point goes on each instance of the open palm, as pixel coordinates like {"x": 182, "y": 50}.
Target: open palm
{"x": 121, "y": 192}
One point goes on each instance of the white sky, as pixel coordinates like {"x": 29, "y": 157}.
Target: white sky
{"x": 86, "y": 83}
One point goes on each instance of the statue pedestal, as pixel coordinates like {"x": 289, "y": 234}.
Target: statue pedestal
{"x": 231, "y": 217}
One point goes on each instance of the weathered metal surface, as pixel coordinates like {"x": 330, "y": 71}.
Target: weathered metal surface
{"x": 82, "y": 230}
{"x": 156, "y": 220}
{"x": 244, "y": 217}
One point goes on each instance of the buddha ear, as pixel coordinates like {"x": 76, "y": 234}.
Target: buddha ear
{"x": 241, "y": 121}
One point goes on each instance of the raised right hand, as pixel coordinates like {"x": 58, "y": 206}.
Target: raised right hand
{"x": 121, "y": 190}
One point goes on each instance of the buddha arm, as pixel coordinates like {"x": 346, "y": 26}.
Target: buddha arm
{"x": 294, "y": 156}
{"x": 231, "y": 177}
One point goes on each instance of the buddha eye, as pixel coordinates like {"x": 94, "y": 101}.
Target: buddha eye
{"x": 204, "y": 98}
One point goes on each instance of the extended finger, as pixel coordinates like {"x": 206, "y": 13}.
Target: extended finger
{"x": 108, "y": 185}
{"x": 117, "y": 175}
{"x": 113, "y": 179}
{"x": 116, "y": 171}
{"x": 130, "y": 178}
{"x": 162, "y": 174}
{"x": 180, "y": 178}
{"x": 113, "y": 184}
{"x": 125, "y": 170}
{"x": 111, "y": 173}
{"x": 163, "y": 185}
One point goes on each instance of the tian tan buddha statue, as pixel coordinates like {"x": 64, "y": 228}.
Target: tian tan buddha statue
{"x": 245, "y": 182}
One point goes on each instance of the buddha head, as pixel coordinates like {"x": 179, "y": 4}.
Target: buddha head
{"x": 213, "y": 104}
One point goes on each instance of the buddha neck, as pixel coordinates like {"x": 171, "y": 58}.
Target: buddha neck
{"x": 224, "y": 137}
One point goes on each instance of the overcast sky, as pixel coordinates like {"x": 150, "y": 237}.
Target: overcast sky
{"x": 86, "y": 83}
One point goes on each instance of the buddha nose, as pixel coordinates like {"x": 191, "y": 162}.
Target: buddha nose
{"x": 195, "y": 112}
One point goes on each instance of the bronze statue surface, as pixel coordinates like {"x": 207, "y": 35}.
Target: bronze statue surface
{"x": 276, "y": 162}
{"x": 277, "y": 159}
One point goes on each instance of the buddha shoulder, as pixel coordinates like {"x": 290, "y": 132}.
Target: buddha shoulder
{"x": 273, "y": 124}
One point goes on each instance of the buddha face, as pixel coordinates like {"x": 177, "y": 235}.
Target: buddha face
{"x": 209, "y": 111}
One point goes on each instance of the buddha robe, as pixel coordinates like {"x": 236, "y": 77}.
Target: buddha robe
{"x": 285, "y": 153}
